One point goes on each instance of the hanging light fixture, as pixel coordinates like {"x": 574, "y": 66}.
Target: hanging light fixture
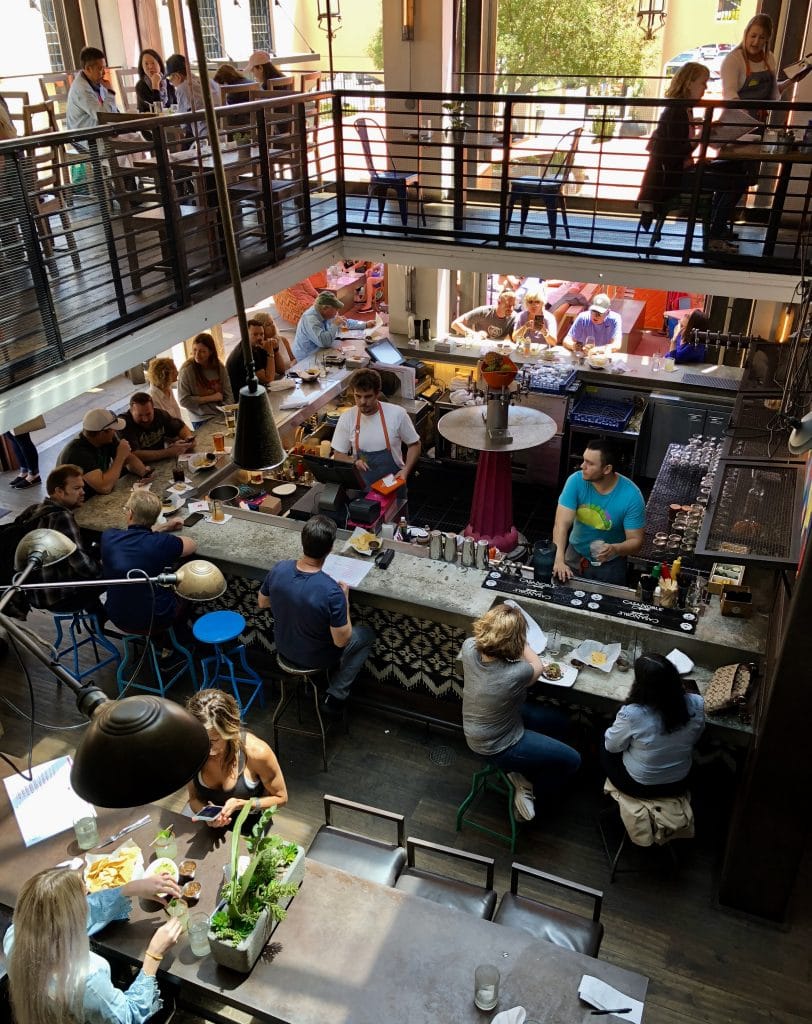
{"x": 407, "y": 20}
{"x": 651, "y": 15}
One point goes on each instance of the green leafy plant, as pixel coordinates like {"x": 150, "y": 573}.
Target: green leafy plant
{"x": 258, "y": 887}
{"x": 456, "y": 114}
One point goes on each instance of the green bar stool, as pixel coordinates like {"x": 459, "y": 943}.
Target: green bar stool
{"x": 494, "y": 780}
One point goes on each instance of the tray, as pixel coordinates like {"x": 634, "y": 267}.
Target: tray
{"x": 602, "y": 413}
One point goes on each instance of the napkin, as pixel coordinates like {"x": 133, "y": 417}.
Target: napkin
{"x": 516, "y": 1015}
{"x": 296, "y": 400}
{"x": 603, "y": 997}
{"x": 681, "y": 662}
{"x": 536, "y": 636}
{"x": 218, "y": 522}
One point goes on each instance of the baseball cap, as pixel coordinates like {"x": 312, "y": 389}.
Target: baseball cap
{"x": 600, "y": 304}
{"x": 102, "y": 419}
{"x": 257, "y": 57}
{"x": 328, "y": 299}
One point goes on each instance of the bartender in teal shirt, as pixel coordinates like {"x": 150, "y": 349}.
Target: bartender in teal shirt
{"x": 600, "y": 519}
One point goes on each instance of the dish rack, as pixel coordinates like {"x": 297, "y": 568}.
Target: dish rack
{"x": 602, "y": 413}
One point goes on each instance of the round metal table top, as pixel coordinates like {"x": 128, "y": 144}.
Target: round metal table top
{"x": 466, "y": 427}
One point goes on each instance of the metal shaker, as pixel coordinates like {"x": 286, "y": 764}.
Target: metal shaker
{"x": 436, "y": 545}
{"x": 450, "y": 547}
{"x": 482, "y": 554}
{"x": 468, "y": 552}
{"x": 427, "y": 330}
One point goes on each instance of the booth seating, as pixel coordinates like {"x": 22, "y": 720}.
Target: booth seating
{"x": 561, "y": 927}
{"x": 78, "y": 622}
{"x": 468, "y": 897}
{"x": 140, "y": 648}
{"x": 221, "y": 629}
{"x": 494, "y": 780}
{"x": 360, "y": 855}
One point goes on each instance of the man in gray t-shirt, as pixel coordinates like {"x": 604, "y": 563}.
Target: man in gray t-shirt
{"x": 495, "y": 321}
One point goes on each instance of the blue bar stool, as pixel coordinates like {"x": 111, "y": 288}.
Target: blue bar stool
{"x": 79, "y": 622}
{"x": 219, "y": 629}
{"x": 141, "y": 646}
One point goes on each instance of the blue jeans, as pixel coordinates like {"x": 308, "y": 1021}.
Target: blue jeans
{"x": 541, "y": 757}
{"x": 25, "y": 452}
{"x": 353, "y": 656}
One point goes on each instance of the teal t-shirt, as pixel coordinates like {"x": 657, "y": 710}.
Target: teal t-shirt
{"x": 603, "y": 517}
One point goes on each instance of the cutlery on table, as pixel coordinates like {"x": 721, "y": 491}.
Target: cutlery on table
{"x": 123, "y": 832}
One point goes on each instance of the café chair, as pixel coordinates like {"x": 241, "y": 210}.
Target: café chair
{"x": 79, "y": 622}
{"x": 479, "y": 900}
{"x": 643, "y": 824}
{"x": 490, "y": 779}
{"x": 360, "y": 855}
{"x": 547, "y": 185}
{"x": 553, "y": 924}
{"x": 390, "y": 180}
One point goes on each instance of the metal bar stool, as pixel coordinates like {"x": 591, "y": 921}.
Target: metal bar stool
{"x": 292, "y": 680}
{"x": 78, "y": 622}
{"x": 220, "y": 629}
{"x": 132, "y": 655}
{"x": 494, "y": 780}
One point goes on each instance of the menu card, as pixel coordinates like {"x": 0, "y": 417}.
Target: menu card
{"x": 46, "y": 805}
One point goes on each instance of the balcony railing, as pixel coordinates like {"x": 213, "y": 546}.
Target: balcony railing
{"x": 110, "y": 229}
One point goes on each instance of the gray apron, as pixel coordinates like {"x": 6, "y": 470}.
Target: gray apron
{"x": 381, "y": 462}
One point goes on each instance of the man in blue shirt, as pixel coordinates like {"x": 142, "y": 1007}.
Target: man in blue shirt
{"x": 599, "y": 327}
{"x": 311, "y": 613}
{"x": 606, "y": 514}
{"x": 319, "y": 326}
{"x": 151, "y": 549}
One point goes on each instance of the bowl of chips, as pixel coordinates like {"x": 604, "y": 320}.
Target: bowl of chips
{"x": 365, "y": 543}
{"x": 111, "y": 870}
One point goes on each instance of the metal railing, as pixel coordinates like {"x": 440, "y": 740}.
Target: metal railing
{"x": 105, "y": 230}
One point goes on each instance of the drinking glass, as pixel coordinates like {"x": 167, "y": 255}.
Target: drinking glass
{"x": 486, "y": 986}
{"x": 180, "y": 910}
{"x": 553, "y": 643}
{"x": 219, "y": 442}
{"x": 178, "y": 473}
{"x": 166, "y": 847}
{"x": 87, "y": 832}
{"x": 198, "y": 929}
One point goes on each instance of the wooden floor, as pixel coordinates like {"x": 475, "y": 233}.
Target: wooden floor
{"x": 705, "y": 964}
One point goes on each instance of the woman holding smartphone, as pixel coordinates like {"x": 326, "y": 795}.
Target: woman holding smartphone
{"x": 535, "y": 323}
{"x": 241, "y": 768}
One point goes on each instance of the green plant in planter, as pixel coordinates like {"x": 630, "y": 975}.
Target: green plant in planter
{"x": 258, "y": 887}
{"x": 456, "y": 115}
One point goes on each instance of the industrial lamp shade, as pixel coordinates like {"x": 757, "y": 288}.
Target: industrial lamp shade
{"x": 800, "y": 440}
{"x": 257, "y": 444}
{"x": 199, "y": 580}
{"x": 137, "y": 750}
{"x": 44, "y": 547}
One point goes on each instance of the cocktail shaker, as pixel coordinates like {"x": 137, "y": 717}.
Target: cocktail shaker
{"x": 450, "y": 547}
{"x": 436, "y": 545}
{"x": 482, "y": 554}
{"x": 468, "y": 552}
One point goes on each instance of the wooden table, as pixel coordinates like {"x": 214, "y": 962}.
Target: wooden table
{"x": 349, "y": 951}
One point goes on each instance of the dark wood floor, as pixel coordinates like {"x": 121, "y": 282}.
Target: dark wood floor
{"x": 705, "y": 964}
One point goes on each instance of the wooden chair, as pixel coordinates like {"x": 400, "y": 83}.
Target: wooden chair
{"x": 126, "y": 96}
{"x": 310, "y": 82}
{"x": 46, "y": 183}
{"x": 553, "y": 924}
{"x": 56, "y": 86}
{"x": 478, "y": 900}
{"x": 389, "y": 180}
{"x": 15, "y": 101}
{"x": 548, "y": 185}
{"x": 372, "y": 859}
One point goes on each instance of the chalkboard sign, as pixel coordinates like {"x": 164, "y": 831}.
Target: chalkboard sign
{"x": 678, "y": 620}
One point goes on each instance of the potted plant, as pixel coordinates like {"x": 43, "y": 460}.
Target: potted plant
{"x": 256, "y": 894}
{"x": 456, "y": 119}
{"x": 498, "y": 371}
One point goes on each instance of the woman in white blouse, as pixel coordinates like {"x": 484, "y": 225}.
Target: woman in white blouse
{"x": 162, "y": 374}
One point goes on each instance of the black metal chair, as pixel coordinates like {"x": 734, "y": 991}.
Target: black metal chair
{"x": 547, "y": 186}
{"x": 372, "y": 859}
{"x": 390, "y": 180}
{"x": 455, "y": 893}
{"x": 553, "y": 924}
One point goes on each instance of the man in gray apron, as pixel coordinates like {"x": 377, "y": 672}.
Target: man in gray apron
{"x": 372, "y": 435}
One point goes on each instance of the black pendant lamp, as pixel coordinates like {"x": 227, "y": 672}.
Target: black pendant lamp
{"x": 257, "y": 444}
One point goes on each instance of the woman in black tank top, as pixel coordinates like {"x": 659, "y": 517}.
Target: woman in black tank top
{"x": 241, "y": 768}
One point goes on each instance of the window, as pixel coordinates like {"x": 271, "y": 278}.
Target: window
{"x": 51, "y": 35}
{"x": 728, "y": 10}
{"x": 210, "y": 26}
{"x": 261, "y": 30}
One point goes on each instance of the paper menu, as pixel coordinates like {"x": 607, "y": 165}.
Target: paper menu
{"x": 46, "y": 805}
{"x": 346, "y": 570}
{"x": 603, "y": 997}
{"x": 536, "y": 637}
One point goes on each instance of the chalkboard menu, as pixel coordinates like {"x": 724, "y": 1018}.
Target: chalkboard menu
{"x": 678, "y": 620}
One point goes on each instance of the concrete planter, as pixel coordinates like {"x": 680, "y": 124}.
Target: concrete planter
{"x": 242, "y": 957}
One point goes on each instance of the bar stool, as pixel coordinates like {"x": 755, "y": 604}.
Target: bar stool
{"x": 494, "y": 780}
{"x": 78, "y": 622}
{"x": 133, "y": 641}
{"x": 292, "y": 681}
{"x": 219, "y": 629}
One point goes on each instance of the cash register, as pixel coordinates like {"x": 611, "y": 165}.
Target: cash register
{"x": 385, "y": 354}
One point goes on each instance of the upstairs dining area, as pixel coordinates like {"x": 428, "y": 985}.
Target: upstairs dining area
{"x": 110, "y": 229}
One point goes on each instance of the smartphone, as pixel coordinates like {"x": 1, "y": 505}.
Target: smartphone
{"x": 207, "y": 813}
{"x": 539, "y": 321}
{"x": 195, "y": 517}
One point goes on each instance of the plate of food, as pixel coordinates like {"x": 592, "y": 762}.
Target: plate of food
{"x": 171, "y": 501}
{"x": 594, "y": 655}
{"x": 364, "y": 542}
{"x": 111, "y": 870}
{"x": 310, "y": 374}
{"x": 598, "y": 360}
{"x": 558, "y": 673}
{"x": 162, "y": 866}
{"x": 203, "y": 461}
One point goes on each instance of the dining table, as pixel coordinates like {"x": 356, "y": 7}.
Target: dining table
{"x": 349, "y": 951}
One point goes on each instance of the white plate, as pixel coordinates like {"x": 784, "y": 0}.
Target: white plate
{"x": 175, "y": 499}
{"x": 198, "y": 463}
{"x": 374, "y": 542}
{"x": 568, "y": 677}
{"x": 589, "y": 647}
{"x": 283, "y": 490}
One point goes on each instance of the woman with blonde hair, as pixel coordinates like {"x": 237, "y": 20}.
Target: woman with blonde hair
{"x": 535, "y": 323}
{"x": 521, "y": 737}
{"x": 275, "y": 343}
{"x": 203, "y": 382}
{"x": 241, "y": 768}
{"x": 54, "y": 977}
{"x": 162, "y": 374}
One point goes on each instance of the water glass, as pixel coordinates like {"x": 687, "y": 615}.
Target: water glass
{"x": 87, "y": 832}
{"x": 198, "y": 929}
{"x": 553, "y": 644}
{"x": 486, "y": 986}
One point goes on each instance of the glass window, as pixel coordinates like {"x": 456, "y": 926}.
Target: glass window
{"x": 51, "y": 35}
{"x": 261, "y": 30}
{"x": 728, "y": 10}
{"x": 210, "y": 26}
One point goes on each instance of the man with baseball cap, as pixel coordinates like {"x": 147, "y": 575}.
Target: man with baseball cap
{"x": 318, "y": 326}
{"x": 597, "y": 327}
{"x": 100, "y": 454}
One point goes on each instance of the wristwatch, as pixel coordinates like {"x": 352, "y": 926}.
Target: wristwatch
{"x": 256, "y": 804}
